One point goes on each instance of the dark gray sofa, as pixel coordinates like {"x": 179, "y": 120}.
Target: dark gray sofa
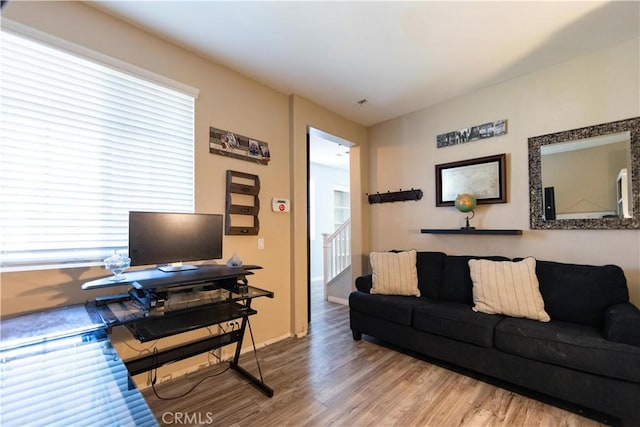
{"x": 587, "y": 355}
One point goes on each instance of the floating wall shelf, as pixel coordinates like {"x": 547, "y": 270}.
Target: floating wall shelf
{"x": 474, "y": 231}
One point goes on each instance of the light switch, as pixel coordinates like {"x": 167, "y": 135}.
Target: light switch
{"x": 260, "y": 243}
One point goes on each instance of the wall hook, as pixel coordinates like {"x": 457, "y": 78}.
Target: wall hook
{"x": 396, "y": 196}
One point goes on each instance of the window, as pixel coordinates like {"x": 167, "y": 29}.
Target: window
{"x": 81, "y": 145}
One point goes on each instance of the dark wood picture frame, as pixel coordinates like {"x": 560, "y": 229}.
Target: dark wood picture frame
{"x": 484, "y": 177}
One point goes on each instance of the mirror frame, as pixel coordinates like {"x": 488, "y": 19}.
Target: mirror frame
{"x": 536, "y": 208}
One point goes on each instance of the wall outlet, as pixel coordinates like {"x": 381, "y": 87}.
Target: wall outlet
{"x": 260, "y": 243}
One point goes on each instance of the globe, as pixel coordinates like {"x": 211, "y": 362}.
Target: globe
{"x": 465, "y": 202}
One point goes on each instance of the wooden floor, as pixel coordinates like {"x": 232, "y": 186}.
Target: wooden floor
{"x": 327, "y": 379}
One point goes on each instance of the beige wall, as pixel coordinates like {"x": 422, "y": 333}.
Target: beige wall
{"x": 594, "y": 89}
{"x": 305, "y": 114}
{"x": 229, "y": 101}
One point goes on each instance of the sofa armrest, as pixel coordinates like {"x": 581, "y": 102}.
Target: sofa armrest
{"x": 364, "y": 283}
{"x": 622, "y": 324}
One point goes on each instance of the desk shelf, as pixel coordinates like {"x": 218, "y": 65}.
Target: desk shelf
{"x": 127, "y": 310}
{"x": 472, "y": 231}
{"x": 154, "y": 278}
{"x": 159, "y": 327}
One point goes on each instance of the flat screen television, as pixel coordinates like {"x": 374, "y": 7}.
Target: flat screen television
{"x": 170, "y": 238}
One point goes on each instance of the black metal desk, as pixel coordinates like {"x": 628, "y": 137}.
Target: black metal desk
{"x": 161, "y": 304}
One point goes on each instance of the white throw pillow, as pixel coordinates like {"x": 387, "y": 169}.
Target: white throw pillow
{"x": 394, "y": 273}
{"x": 506, "y": 287}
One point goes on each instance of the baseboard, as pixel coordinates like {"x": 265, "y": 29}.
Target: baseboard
{"x": 193, "y": 368}
{"x": 176, "y": 374}
{"x": 268, "y": 342}
{"x": 337, "y": 300}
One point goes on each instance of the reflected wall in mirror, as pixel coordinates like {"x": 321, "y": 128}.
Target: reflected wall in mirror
{"x": 582, "y": 174}
{"x": 586, "y": 178}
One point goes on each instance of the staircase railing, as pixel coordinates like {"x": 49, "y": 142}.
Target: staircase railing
{"x": 337, "y": 251}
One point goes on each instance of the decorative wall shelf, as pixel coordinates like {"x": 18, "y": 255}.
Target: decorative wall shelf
{"x": 247, "y": 187}
{"x": 474, "y": 231}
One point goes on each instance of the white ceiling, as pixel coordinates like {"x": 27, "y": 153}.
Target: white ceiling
{"x": 328, "y": 150}
{"x": 399, "y": 56}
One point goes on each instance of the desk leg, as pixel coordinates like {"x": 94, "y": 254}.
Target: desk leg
{"x": 258, "y": 382}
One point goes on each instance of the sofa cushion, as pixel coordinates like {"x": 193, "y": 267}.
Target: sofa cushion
{"x": 506, "y": 287}
{"x": 457, "y": 321}
{"x": 571, "y": 345}
{"x": 394, "y": 308}
{"x": 394, "y": 273}
{"x": 364, "y": 283}
{"x": 580, "y": 293}
{"x": 622, "y": 324}
{"x": 456, "y": 285}
{"x": 429, "y": 265}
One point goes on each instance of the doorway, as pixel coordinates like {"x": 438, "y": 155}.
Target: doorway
{"x": 328, "y": 193}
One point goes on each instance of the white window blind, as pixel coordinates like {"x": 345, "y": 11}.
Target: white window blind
{"x": 81, "y": 145}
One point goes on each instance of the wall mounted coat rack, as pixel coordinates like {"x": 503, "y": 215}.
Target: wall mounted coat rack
{"x": 395, "y": 196}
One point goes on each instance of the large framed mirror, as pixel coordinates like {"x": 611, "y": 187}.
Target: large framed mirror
{"x": 586, "y": 178}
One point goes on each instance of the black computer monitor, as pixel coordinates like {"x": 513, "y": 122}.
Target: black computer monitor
{"x": 171, "y": 238}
